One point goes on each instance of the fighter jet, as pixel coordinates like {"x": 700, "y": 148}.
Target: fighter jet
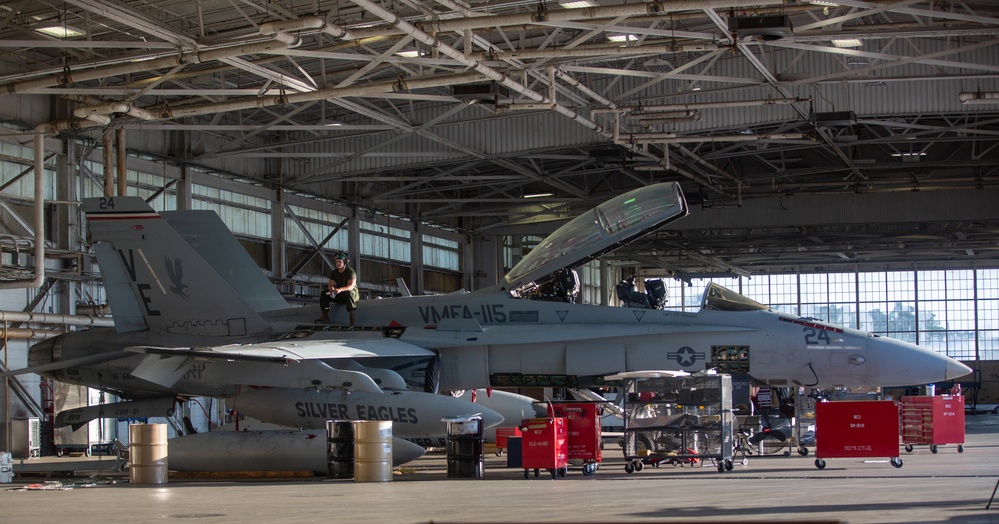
{"x": 210, "y": 324}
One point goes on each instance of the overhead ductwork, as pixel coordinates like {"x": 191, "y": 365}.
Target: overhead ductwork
{"x": 979, "y": 97}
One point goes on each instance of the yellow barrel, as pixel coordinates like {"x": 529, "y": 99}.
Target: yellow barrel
{"x": 147, "y": 453}
{"x": 373, "y": 450}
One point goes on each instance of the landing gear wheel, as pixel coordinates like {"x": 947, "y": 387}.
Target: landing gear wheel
{"x": 908, "y": 448}
{"x": 639, "y": 465}
{"x": 629, "y": 467}
{"x": 897, "y": 462}
{"x": 960, "y": 448}
{"x": 803, "y": 451}
{"x": 933, "y": 448}
{"x": 729, "y": 466}
{"x": 819, "y": 463}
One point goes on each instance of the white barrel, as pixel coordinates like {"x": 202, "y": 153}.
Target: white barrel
{"x": 372, "y": 450}
{"x": 147, "y": 453}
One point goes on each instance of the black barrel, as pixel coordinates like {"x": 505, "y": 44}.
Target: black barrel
{"x": 465, "y": 454}
{"x": 340, "y": 448}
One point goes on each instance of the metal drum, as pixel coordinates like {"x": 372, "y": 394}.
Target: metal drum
{"x": 340, "y": 440}
{"x": 372, "y": 450}
{"x": 147, "y": 453}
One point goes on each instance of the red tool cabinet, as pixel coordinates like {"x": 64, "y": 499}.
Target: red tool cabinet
{"x": 544, "y": 446}
{"x": 863, "y": 428}
{"x": 502, "y": 436}
{"x": 933, "y": 420}
{"x": 583, "y": 431}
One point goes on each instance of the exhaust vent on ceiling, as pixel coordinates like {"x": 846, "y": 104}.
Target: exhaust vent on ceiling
{"x": 772, "y": 27}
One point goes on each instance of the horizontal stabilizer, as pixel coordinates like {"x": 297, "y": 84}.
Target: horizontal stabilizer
{"x": 289, "y": 350}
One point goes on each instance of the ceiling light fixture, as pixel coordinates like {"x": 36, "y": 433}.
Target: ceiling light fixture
{"x": 412, "y": 53}
{"x": 538, "y": 195}
{"x": 60, "y": 31}
{"x": 623, "y": 38}
{"x": 847, "y": 42}
{"x": 577, "y": 4}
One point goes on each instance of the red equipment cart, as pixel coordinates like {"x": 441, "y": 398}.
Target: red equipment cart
{"x": 583, "y": 431}
{"x": 502, "y": 434}
{"x": 861, "y": 428}
{"x": 544, "y": 446}
{"x": 933, "y": 420}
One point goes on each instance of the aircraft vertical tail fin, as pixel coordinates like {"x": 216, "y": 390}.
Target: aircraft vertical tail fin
{"x": 176, "y": 289}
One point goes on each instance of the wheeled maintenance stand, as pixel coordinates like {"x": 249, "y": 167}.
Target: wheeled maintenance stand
{"x": 677, "y": 420}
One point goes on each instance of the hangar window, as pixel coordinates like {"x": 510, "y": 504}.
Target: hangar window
{"x": 318, "y": 224}
{"x": 441, "y": 253}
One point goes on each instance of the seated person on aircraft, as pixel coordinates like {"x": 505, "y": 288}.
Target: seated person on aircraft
{"x": 629, "y": 295}
{"x": 563, "y": 287}
{"x": 341, "y": 289}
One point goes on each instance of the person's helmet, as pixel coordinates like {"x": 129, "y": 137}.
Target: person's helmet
{"x": 340, "y": 256}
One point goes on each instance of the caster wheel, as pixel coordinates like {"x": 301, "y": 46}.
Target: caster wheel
{"x": 721, "y": 467}
{"x": 729, "y": 466}
{"x": 639, "y": 466}
{"x": 960, "y": 448}
{"x": 527, "y": 474}
{"x": 897, "y": 462}
{"x": 933, "y": 448}
{"x": 803, "y": 451}
{"x": 787, "y": 453}
{"x": 908, "y": 448}
{"x": 819, "y": 463}
{"x": 745, "y": 462}
{"x": 629, "y": 468}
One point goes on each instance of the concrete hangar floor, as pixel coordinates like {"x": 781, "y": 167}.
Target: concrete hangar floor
{"x": 944, "y": 487}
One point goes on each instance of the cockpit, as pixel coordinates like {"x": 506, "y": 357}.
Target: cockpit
{"x": 719, "y": 298}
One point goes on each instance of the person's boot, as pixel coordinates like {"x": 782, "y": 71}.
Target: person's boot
{"x": 324, "y": 318}
{"x": 353, "y": 320}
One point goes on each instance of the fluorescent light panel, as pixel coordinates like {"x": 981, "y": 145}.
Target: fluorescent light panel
{"x": 60, "y": 31}
{"x": 538, "y": 195}
{"x": 577, "y": 4}
{"x": 847, "y": 42}
{"x": 408, "y": 54}
{"x": 623, "y": 38}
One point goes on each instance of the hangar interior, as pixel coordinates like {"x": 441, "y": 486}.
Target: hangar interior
{"x": 839, "y": 157}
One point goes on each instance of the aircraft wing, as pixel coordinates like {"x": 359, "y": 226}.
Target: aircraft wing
{"x": 73, "y": 362}
{"x": 295, "y": 350}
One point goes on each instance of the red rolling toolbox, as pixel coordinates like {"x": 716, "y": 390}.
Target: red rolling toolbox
{"x": 502, "y": 434}
{"x": 862, "y": 428}
{"x": 544, "y": 446}
{"x": 933, "y": 420}
{"x": 583, "y": 431}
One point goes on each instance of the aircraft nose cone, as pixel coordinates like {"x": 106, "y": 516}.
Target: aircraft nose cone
{"x": 897, "y": 363}
{"x": 490, "y": 418}
{"x": 956, "y": 369}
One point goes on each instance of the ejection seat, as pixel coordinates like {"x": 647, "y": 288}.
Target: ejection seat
{"x": 655, "y": 296}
